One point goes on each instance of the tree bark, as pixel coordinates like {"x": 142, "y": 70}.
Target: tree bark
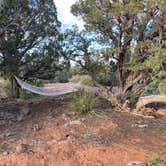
{"x": 14, "y": 88}
{"x": 121, "y": 71}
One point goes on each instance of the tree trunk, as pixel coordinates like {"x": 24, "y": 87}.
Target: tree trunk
{"x": 14, "y": 88}
{"x": 120, "y": 71}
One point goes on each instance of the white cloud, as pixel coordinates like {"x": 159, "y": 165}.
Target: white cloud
{"x": 65, "y": 16}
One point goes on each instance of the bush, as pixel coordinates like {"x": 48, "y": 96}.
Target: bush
{"x": 84, "y": 79}
{"x": 82, "y": 102}
{"x": 162, "y": 88}
{"x": 3, "y": 148}
{"x": 155, "y": 160}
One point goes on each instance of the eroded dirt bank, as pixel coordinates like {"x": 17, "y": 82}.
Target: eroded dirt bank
{"x": 55, "y": 137}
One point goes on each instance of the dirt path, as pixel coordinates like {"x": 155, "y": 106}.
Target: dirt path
{"x": 54, "y": 137}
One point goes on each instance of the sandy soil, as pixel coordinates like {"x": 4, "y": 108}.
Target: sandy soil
{"x": 55, "y": 137}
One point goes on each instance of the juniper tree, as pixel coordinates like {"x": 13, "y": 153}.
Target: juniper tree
{"x": 132, "y": 28}
{"x": 29, "y": 35}
{"x": 82, "y": 48}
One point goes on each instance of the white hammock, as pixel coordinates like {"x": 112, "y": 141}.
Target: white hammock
{"x": 70, "y": 87}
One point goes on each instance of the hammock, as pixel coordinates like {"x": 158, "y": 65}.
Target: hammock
{"x": 45, "y": 91}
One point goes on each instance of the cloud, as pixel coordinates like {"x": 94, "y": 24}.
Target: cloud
{"x": 65, "y": 16}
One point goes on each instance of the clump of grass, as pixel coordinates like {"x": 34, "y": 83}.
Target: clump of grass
{"x": 82, "y": 102}
{"x": 4, "y": 87}
{"x": 3, "y": 148}
{"x": 155, "y": 160}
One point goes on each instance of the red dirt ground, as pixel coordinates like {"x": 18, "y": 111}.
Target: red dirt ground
{"x": 56, "y": 137}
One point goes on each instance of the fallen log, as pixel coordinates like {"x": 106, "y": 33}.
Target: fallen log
{"x": 143, "y": 101}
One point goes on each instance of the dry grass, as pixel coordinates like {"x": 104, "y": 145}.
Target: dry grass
{"x": 84, "y": 79}
{"x": 4, "y": 87}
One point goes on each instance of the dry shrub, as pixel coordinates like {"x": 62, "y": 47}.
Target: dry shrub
{"x": 4, "y": 87}
{"x": 84, "y": 79}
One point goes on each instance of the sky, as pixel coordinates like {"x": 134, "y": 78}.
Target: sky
{"x": 65, "y": 16}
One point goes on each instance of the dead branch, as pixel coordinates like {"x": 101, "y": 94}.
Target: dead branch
{"x": 150, "y": 99}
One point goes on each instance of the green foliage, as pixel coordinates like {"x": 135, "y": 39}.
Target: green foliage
{"x": 30, "y": 39}
{"x": 62, "y": 76}
{"x": 132, "y": 35}
{"x": 154, "y": 63}
{"x": 162, "y": 88}
{"x": 84, "y": 79}
{"x": 82, "y": 102}
{"x": 155, "y": 160}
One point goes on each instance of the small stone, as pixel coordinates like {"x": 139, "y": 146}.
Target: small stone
{"x": 64, "y": 116}
{"x": 139, "y": 122}
{"x": 137, "y": 163}
{"x": 5, "y": 153}
{"x": 37, "y": 142}
{"x": 143, "y": 126}
{"x": 76, "y": 122}
{"x": 21, "y": 148}
{"x": 149, "y": 117}
{"x": 36, "y": 127}
{"x": 20, "y": 118}
{"x": 134, "y": 125}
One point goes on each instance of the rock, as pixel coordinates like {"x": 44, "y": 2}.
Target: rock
{"x": 20, "y": 117}
{"x": 37, "y": 142}
{"x": 36, "y": 127}
{"x": 8, "y": 134}
{"x": 149, "y": 116}
{"x": 140, "y": 121}
{"x": 72, "y": 135}
{"x": 134, "y": 125}
{"x": 75, "y": 122}
{"x": 137, "y": 163}
{"x": 143, "y": 126}
{"x": 64, "y": 117}
{"x": 5, "y": 153}
{"x": 21, "y": 148}
{"x": 139, "y": 125}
